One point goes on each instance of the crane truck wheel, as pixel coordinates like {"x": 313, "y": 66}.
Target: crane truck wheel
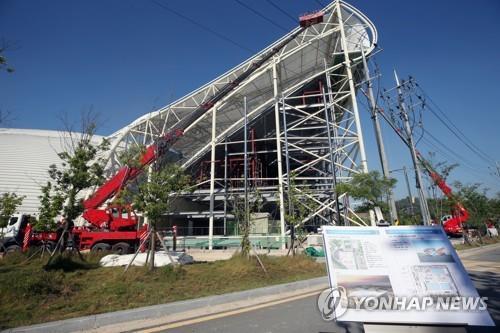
{"x": 12, "y": 249}
{"x": 121, "y": 248}
{"x": 49, "y": 246}
{"x": 101, "y": 247}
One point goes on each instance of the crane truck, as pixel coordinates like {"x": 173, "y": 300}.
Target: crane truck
{"x": 115, "y": 227}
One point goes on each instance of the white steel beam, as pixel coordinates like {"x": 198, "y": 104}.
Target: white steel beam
{"x": 352, "y": 88}
{"x": 278, "y": 153}
{"x": 212, "y": 180}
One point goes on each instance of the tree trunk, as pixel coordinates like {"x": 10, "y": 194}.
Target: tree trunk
{"x": 152, "y": 248}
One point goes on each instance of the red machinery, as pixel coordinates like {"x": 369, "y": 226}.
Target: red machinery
{"x": 115, "y": 227}
{"x": 453, "y": 225}
{"x": 309, "y": 19}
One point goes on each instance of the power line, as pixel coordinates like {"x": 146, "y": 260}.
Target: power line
{"x": 450, "y": 121}
{"x": 455, "y": 130}
{"x": 282, "y": 10}
{"x": 453, "y": 158}
{"x": 204, "y": 27}
{"x": 261, "y": 15}
{"x": 272, "y": 22}
{"x": 459, "y": 137}
{"x": 447, "y": 148}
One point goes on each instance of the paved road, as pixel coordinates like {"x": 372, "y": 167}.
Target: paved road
{"x": 302, "y": 315}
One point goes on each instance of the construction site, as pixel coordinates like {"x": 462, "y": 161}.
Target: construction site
{"x": 282, "y": 126}
{"x": 251, "y": 200}
{"x": 290, "y": 111}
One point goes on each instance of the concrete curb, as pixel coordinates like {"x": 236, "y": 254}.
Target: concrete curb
{"x": 94, "y": 322}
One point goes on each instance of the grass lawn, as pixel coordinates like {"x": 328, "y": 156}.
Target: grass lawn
{"x": 30, "y": 294}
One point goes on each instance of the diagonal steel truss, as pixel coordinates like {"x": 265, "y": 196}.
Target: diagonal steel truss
{"x": 321, "y": 131}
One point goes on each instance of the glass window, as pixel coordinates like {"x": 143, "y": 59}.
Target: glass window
{"x": 13, "y": 220}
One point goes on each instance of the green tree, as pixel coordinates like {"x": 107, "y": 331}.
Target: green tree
{"x": 243, "y": 217}
{"x": 371, "y": 186}
{"x": 8, "y": 206}
{"x": 495, "y": 207}
{"x": 82, "y": 167}
{"x": 156, "y": 196}
{"x": 475, "y": 200}
{"x": 298, "y": 206}
{"x": 50, "y": 206}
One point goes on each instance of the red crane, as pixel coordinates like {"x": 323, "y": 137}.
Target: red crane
{"x": 460, "y": 215}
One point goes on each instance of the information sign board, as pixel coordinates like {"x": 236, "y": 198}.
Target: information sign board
{"x": 404, "y": 274}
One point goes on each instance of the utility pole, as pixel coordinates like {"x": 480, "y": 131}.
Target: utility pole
{"x": 408, "y": 188}
{"x": 424, "y": 209}
{"x": 410, "y": 196}
{"x": 378, "y": 136}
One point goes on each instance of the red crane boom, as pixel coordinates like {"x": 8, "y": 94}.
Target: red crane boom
{"x": 453, "y": 225}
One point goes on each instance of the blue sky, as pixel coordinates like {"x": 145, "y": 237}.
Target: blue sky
{"x": 125, "y": 58}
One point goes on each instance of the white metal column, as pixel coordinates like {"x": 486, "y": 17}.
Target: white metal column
{"x": 278, "y": 153}
{"x": 364, "y": 165}
{"x": 212, "y": 181}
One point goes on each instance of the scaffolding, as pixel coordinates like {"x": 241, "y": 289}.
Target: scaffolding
{"x": 302, "y": 121}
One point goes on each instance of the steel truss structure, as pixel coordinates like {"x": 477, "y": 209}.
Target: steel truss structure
{"x": 303, "y": 124}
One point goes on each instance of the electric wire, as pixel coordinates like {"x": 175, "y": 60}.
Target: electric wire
{"x": 450, "y": 125}
{"x": 451, "y": 155}
{"x": 487, "y": 160}
{"x": 464, "y": 161}
{"x": 411, "y": 85}
{"x": 272, "y": 22}
{"x": 452, "y": 158}
{"x": 261, "y": 15}
{"x": 202, "y": 26}
{"x": 427, "y": 97}
{"x": 284, "y": 12}
{"x": 221, "y": 36}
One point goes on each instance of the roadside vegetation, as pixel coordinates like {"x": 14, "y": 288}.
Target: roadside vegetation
{"x": 33, "y": 293}
{"x": 8, "y": 205}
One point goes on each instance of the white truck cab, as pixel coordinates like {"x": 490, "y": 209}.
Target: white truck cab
{"x": 14, "y": 225}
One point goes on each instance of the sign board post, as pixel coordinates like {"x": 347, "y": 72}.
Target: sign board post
{"x": 407, "y": 275}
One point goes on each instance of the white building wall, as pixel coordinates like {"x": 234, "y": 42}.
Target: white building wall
{"x": 25, "y": 156}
